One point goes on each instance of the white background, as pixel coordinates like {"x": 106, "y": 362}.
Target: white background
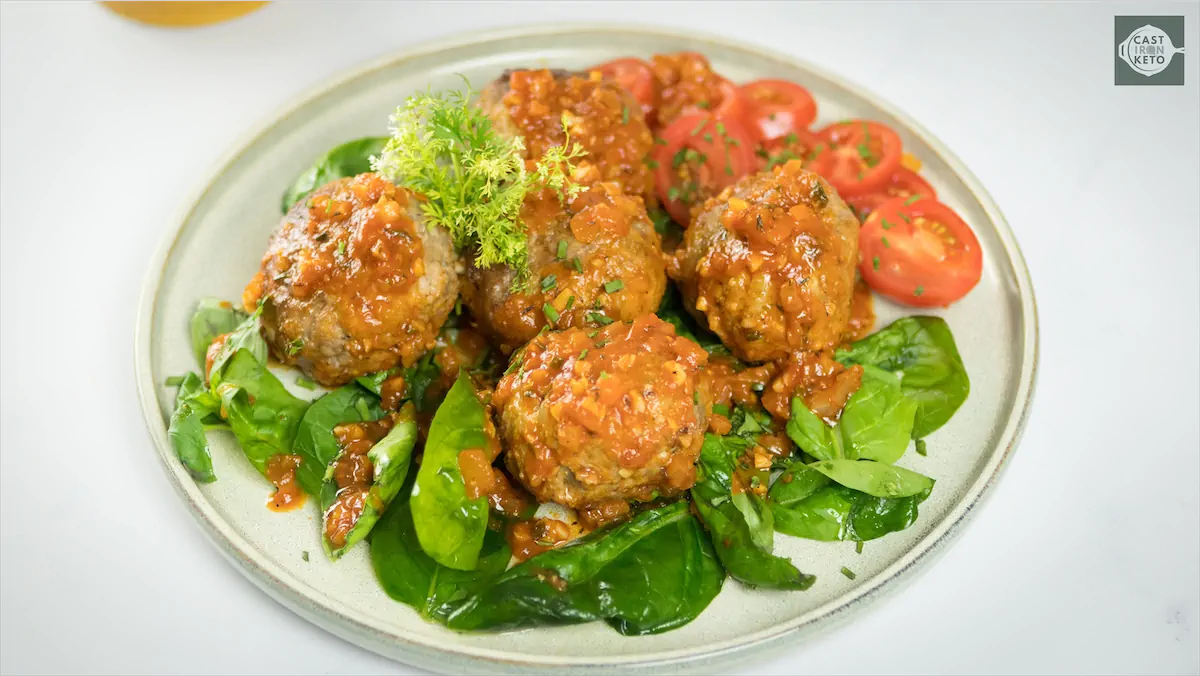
{"x": 1086, "y": 559}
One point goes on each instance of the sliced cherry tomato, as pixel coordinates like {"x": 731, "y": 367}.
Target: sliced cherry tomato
{"x": 857, "y": 157}
{"x": 635, "y": 77}
{"x": 796, "y": 145}
{"x": 917, "y": 251}
{"x": 697, "y": 157}
{"x": 903, "y": 183}
{"x": 776, "y": 108}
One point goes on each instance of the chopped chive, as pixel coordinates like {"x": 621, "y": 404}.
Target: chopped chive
{"x": 698, "y": 128}
{"x": 660, "y": 141}
{"x": 457, "y": 306}
{"x": 577, "y": 264}
{"x": 708, "y": 138}
{"x": 295, "y": 346}
{"x": 921, "y": 450}
{"x": 613, "y": 286}
{"x": 912, "y": 198}
{"x": 886, "y": 225}
{"x": 728, "y": 170}
{"x": 603, "y": 375}
{"x": 548, "y": 282}
{"x": 848, "y": 573}
{"x": 624, "y": 114}
{"x": 791, "y": 138}
{"x": 550, "y": 312}
{"x": 721, "y": 128}
{"x": 304, "y": 554}
{"x": 598, "y": 318}
{"x": 885, "y": 243}
{"x": 341, "y": 247}
{"x": 733, "y": 142}
{"x": 174, "y": 381}
{"x": 858, "y": 547}
{"x": 680, "y": 157}
{"x": 875, "y": 263}
{"x": 651, "y": 163}
{"x": 570, "y": 302}
{"x": 919, "y": 290}
{"x": 583, "y": 354}
{"x": 721, "y": 409}
{"x": 703, "y": 105}
{"x": 562, "y": 249}
{"x": 305, "y": 383}
{"x": 906, "y": 218}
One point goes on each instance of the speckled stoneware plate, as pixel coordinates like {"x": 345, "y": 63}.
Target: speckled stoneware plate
{"x": 223, "y": 232}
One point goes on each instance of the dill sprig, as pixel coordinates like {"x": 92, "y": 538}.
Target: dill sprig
{"x": 474, "y": 180}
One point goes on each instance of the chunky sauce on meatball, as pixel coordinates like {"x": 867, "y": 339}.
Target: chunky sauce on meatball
{"x": 595, "y": 261}
{"x": 353, "y": 473}
{"x": 346, "y": 284}
{"x": 601, "y": 117}
{"x": 613, "y": 414}
{"x": 686, "y": 80}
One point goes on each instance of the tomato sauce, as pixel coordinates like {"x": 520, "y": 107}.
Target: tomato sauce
{"x": 281, "y": 471}
{"x": 354, "y": 475}
{"x": 687, "y": 82}
{"x": 532, "y": 537}
{"x": 862, "y": 313}
{"x": 824, "y": 384}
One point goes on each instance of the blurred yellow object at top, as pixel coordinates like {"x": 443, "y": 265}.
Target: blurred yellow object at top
{"x": 182, "y": 13}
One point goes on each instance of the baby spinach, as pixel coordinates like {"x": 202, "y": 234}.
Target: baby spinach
{"x": 450, "y": 525}
{"x": 247, "y": 336}
{"x": 193, "y": 403}
{"x": 390, "y": 457}
{"x": 263, "y": 415}
{"x": 875, "y": 425}
{"x": 315, "y": 443}
{"x": 647, "y": 575}
{"x": 410, "y": 576}
{"x": 213, "y": 317}
{"x": 808, "y": 504}
{"x": 737, "y": 540}
{"x": 874, "y": 478}
{"x": 922, "y": 353}
{"x": 349, "y": 159}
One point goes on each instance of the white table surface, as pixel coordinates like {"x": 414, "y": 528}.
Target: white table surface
{"x": 1086, "y": 558}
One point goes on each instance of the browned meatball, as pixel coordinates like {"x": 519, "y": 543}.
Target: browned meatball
{"x": 769, "y": 264}
{"x": 591, "y": 418}
{"x": 596, "y": 260}
{"x": 353, "y": 282}
{"x": 605, "y": 120}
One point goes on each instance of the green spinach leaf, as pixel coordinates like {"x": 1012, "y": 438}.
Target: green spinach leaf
{"x": 922, "y": 352}
{"x": 263, "y": 415}
{"x": 605, "y": 575}
{"x": 450, "y": 525}
{"x": 213, "y": 317}
{"x": 315, "y": 443}
{"x": 247, "y": 336}
{"x": 808, "y": 504}
{"x": 193, "y": 403}
{"x": 390, "y": 457}
{"x": 875, "y": 425}
{"x": 874, "y": 478}
{"x": 349, "y": 159}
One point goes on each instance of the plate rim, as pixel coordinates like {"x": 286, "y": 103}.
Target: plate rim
{"x": 331, "y": 615}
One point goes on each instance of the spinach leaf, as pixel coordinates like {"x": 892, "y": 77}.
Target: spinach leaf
{"x": 742, "y": 544}
{"x": 193, "y": 403}
{"x": 247, "y": 336}
{"x": 349, "y": 159}
{"x": 449, "y": 525}
{"x": 874, "y": 478}
{"x": 213, "y": 317}
{"x": 263, "y": 415}
{"x": 410, "y": 576}
{"x": 807, "y": 504}
{"x": 875, "y": 425}
{"x": 419, "y": 381}
{"x": 390, "y": 457}
{"x": 315, "y": 443}
{"x": 922, "y": 352}
{"x": 649, "y": 574}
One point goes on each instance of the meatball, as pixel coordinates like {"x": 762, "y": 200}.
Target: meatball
{"x": 595, "y": 260}
{"x": 594, "y": 418}
{"x": 604, "y": 119}
{"x": 769, "y": 264}
{"x": 353, "y": 281}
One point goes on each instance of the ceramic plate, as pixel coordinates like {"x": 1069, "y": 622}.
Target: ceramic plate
{"x": 223, "y": 232}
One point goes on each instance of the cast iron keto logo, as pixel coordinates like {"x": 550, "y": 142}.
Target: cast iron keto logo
{"x": 1146, "y": 49}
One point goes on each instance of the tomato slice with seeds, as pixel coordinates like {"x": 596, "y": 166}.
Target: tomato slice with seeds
{"x": 635, "y": 77}
{"x": 697, "y": 157}
{"x": 796, "y": 145}
{"x": 903, "y": 183}
{"x": 857, "y": 156}
{"x": 776, "y": 108}
{"x": 918, "y": 251}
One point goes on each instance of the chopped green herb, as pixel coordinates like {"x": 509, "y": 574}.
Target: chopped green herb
{"x": 550, "y": 312}
{"x": 755, "y": 482}
{"x": 624, "y": 114}
{"x": 174, "y": 381}
{"x": 548, "y": 282}
{"x": 703, "y": 105}
{"x": 858, "y": 547}
{"x": 708, "y": 137}
{"x": 583, "y": 354}
{"x": 721, "y": 128}
{"x": 886, "y": 224}
{"x": 885, "y": 243}
{"x": 603, "y": 375}
{"x": 721, "y": 409}
{"x": 598, "y": 318}
{"x": 577, "y": 264}
{"x": 875, "y": 262}
{"x": 919, "y": 290}
{"x": 341, "y": 247}
{"x": 651, "y": 163}
{"x": 562, "y": 249}
{"x": 848, "y": 573}
{"x": 695, "y": 397}
{"x": 699, "y": 128}
{"x": 305, "y": 383}
{"x": 921, "y": 450}
{"x": 791, "y": 138}
{"x": 295, "y": 346}
{"x": 906, "y": 218}
{"x": 613, "y": 286}
{"x": 570, "y": 302}
{"x": 660, "y": 141}
{"x": 304, "y": 555}
{"x": 911, "y": 199}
